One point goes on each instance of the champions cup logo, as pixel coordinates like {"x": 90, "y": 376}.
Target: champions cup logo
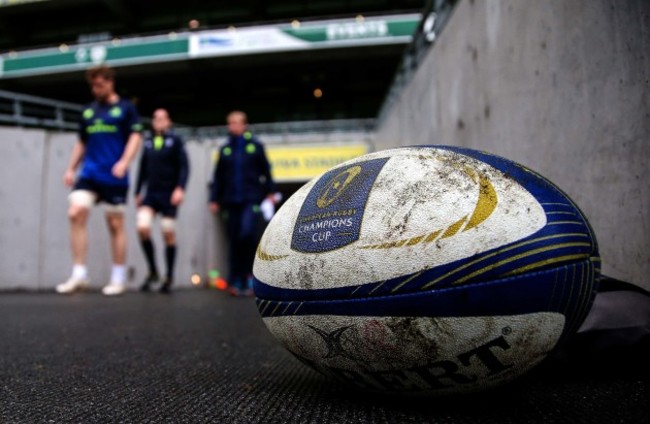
{"x": 331, "y": 215}
{"x": 337, "y": 186}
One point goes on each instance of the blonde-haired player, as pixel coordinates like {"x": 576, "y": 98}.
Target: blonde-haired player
{"x": 109, "y": 139}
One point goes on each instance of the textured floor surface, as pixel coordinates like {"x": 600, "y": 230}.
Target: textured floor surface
{"x": 199, "y": 356}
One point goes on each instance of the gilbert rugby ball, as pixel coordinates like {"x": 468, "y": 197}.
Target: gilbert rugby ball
{"x": 429, "y": 269}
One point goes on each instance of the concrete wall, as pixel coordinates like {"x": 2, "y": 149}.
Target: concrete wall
{"x": 34, "y": 242}
{"x": 21, "y": 200}
{"x": 34, "y": 230}
{"x": 561, "y": 86}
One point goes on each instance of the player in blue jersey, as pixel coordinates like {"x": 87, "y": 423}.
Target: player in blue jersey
{"x": 164, "y": 170}
{"x": 241, "y": 183}
{"x": 109, "y": 139}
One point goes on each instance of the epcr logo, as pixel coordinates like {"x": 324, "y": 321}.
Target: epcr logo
{"x": 337, "y": 186}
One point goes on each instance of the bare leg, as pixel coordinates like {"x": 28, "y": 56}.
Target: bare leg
{"x": 78, "y": 216}
{"x": 170, "y": 237}
{"x": 117, "y": 231}
{"x": 117, "y": 284}
{"x": 144, "y": 221}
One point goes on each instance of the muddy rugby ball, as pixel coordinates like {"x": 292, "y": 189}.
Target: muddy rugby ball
{"x": 430, "y": 269}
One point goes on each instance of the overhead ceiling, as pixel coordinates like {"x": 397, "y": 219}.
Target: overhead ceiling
{"x": 270, "y": 87}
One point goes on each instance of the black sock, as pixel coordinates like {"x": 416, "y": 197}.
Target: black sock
{"x": 170, "y": 257}
{"x": 147, "y": 247}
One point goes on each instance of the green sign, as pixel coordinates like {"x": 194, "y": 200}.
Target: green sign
{"x": 270, "y": 38}
{"x": 70, "y": 58}
{"x": 376, "y": 28}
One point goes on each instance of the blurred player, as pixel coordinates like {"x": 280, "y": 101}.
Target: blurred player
{"x": 241, "y": 182}
{"x": 164, "y": 170}
{"x": 109, "y": 139}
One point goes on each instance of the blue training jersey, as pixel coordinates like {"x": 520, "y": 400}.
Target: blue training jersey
{"x": 105, "y": 129}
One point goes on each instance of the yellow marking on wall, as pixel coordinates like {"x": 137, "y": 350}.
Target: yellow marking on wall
{"x": 302, "y": 163}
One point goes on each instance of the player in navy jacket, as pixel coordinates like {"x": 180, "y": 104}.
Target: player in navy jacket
{"x": 241, "y": 181}
{"x": 164, "y": 170}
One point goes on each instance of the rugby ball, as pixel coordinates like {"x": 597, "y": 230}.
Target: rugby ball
{"x": 426, "y": 269}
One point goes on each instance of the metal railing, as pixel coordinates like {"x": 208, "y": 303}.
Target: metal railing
{"x": 294, "y": 131}
{"x": 31, "y": 111}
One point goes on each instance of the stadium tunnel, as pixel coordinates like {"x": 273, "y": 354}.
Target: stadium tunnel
{"x": 322, "y": 83}
{"x": 312, "y": 81}
{"x": 560, "y": 87}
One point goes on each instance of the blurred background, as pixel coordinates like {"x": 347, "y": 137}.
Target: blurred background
{"x": 203, "y": 59}
{"x": 560, "y": 86}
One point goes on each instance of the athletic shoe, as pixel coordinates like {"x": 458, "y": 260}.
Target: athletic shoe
{"x": 148, "y": 281}
{"x": 166, "y": 287}
{"x": 113, "y": 289}
{"x": 72, "y": 285}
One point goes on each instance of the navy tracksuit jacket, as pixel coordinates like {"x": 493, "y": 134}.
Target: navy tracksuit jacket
{"x": 241, "y": 180}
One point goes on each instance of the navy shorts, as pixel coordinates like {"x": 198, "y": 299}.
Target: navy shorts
{"x": 160, "y": 202}
{"x": 111, "y": 194}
